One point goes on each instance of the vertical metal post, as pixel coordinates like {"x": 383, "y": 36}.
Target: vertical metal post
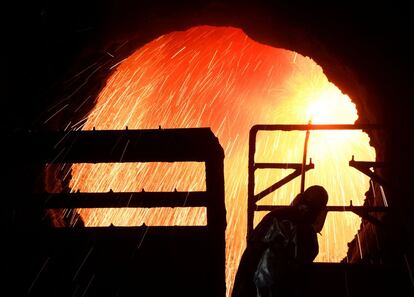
{"x": 216, "y": 219}
{"x": 305, "y": 153}
{"x": 251, "y": 203}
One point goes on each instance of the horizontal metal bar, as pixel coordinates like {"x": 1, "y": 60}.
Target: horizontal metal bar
{"x": 123, "y": 199}
{"x": 127, "y": 232}
{"x": 329, "y": 208}
{"x": 359, "y": 208}
{"x": 103, "y": 146}
{"x": 304, "y": 127}
{"x": 297, "y": 166}
{"x": 355, "y": 164}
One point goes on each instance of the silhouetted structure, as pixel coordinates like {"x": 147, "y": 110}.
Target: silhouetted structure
{"x": 366, "y": 52}
{"x": 120, "y": 261}
{"x": 312, "y": 278}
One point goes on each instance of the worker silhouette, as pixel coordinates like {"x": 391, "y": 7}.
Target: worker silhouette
{"x": 284, "y": 239}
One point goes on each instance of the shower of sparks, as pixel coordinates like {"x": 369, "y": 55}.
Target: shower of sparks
{"x": 220, "y": 78}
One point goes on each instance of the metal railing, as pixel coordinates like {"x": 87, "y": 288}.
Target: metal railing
{"x": 301, "y": 168}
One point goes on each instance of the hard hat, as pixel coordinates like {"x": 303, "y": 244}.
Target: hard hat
{"x": 315, "y": 197}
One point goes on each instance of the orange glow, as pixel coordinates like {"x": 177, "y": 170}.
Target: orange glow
{"x": 220, "y": 78}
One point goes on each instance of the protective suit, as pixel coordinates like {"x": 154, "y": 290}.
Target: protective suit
{"x": 281, "y": 242}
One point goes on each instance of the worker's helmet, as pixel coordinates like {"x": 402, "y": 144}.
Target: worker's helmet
{"x": 313, "y": 203}
{"x": 315, "y": 197}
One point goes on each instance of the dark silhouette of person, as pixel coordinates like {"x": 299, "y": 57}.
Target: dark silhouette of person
{"x": 281, "y": 242}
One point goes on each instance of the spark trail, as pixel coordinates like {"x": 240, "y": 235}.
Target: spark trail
{"x": 220, "y": 78}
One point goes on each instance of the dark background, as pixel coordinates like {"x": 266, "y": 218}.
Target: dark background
{"x": 56, "y": 53}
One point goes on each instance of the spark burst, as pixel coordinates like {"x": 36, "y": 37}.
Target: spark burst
{"x": 220, "y": 78}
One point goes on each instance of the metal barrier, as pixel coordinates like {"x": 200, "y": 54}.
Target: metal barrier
{"x": 168, "y": 243}
{"x": 300, "y": 170}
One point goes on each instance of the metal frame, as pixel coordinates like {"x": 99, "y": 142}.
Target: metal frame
{"x": 364, "y": 167}
{"x": 117, "y": 146}
{"x": 300, "y": 169}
